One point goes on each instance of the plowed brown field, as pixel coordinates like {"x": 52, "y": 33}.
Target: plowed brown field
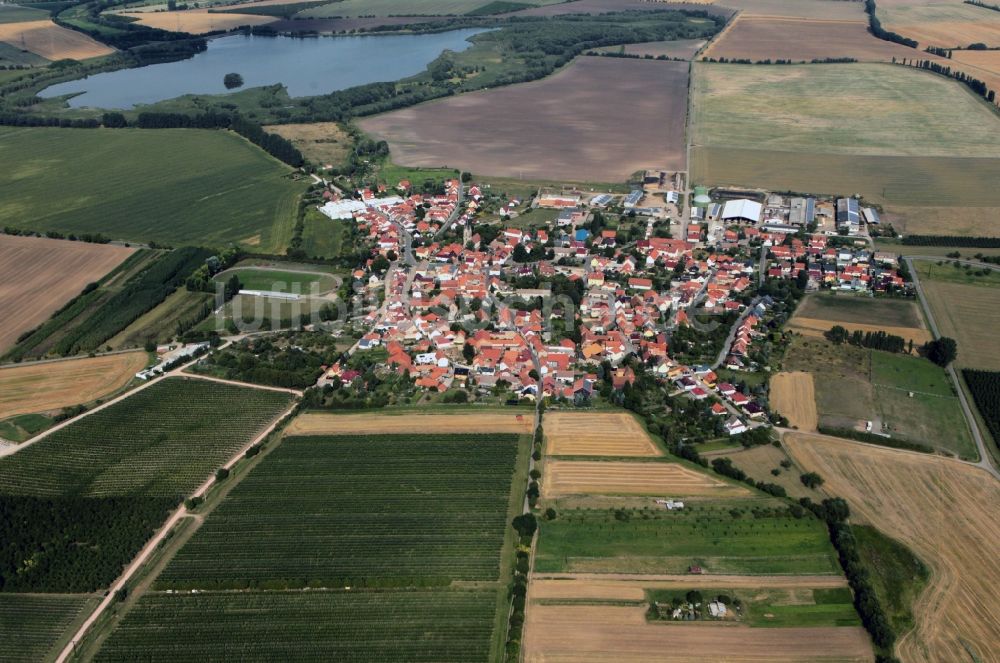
{"x": 39, "y": 275}
{"x": 51, "y": 41}
{"x": 567, "y": 477}
{"x": 565, "y": 127}
{"x": 390, "y": 424}
{"x": 596, "y": 434}
{"x": 50, "y": 386}
{"x": 946, "y": 512}
{"x": 599, "y": 634}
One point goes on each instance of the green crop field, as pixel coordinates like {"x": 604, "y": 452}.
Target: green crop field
{"x": 18, "y": 14}
{"x": 161, "y": 442}
{"x": 349, "y": 548}
{"x": 669, "y": 542}
{"x": 171, "y": 186}
{"x": 765, "y": 607}
{"x": 359, "y": 511}
{"x": 280, "y": 281}
{"x": 896, "y": 135}
{"x": 32, "y": 625}
{"x": 439, "y": 626}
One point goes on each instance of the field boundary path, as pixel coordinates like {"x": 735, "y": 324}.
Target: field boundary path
{"x": 161, "y": 534}
{"x": 970, "y": 417}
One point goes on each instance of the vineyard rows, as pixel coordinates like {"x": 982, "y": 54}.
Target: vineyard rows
{"x": 374, "y": 511}
{"x": 31, "y": 625}
{"x": 344, "y": 626}
{"x": 163, "y": 441}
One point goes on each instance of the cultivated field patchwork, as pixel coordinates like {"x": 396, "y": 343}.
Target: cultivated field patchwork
{"x": 945, "y": 512}
{"x": 572, "y": 433}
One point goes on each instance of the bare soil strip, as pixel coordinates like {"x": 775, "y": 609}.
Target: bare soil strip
{"x": 48, "y": 386}
{"x": 596, "y": 434}
{"x": 794, "y": 396}
{"x": 607, "y": 478}
{"x": 38, "y": 275}
{"x": 585, "y": 634}
{"x": 315, "y": 423}
{"x": 946, "y": 512}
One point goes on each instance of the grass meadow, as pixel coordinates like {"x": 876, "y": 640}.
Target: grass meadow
{"x": 708, "y": 535}
{"x": 967, "y": 311}
{"x": 861, "y": 310}
{"x": 172, "y": 186}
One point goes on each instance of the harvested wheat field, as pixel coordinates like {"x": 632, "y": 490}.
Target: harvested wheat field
{"x": 612, "y": 587}
{"x": 38, "y": 275}
{"x": 945, "y": 24}
{"x": 197, "y": 21}
{"x": 608, "y": 633}
{"x": 943, "y": 510}
{"x": 793, "y": 395}
{"x": 828, "y": 10}
{"x": 984, "y": 60}
{"x": 314, "y": 423}
{"x": 596, "y": 434}
{"x": 566, "y": 126}
{"x": 816, "y": 328}
{"x": 798, "y": 39}
{"x": 53, "y": 385}
{"x": 680, "y": 48}
{"x": 569, "y": 477}
{"x": 51, "y": 41}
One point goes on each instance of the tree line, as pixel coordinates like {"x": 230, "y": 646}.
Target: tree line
{"x": 952, "y": 240}
{"x": 878, "y": 340}
{"x": 875, "y": 26}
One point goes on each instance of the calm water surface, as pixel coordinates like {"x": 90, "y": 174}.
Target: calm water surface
{"x": 306, "y": 66}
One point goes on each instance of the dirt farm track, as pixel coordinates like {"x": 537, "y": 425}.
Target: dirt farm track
{"x": 946, "y": 512}
{"x": 39, "y": 275}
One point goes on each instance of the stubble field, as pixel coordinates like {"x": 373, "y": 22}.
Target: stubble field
{"x": 596, "y": 434}
{"x": 51, "y": 41}
{"x": 49, "y": 386}
{"x": 38, "y": 275}
{"x": 197, "y": 21}
{"x": 319, "y": 423}
{"x": 945, "y": 512}
{"x": 611, "y": 478}
{"x": 565, "y": 126}
{"x": 944, "y": 24}
{"x": 320, "y": 142}
{"x": 793, "y": 395}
